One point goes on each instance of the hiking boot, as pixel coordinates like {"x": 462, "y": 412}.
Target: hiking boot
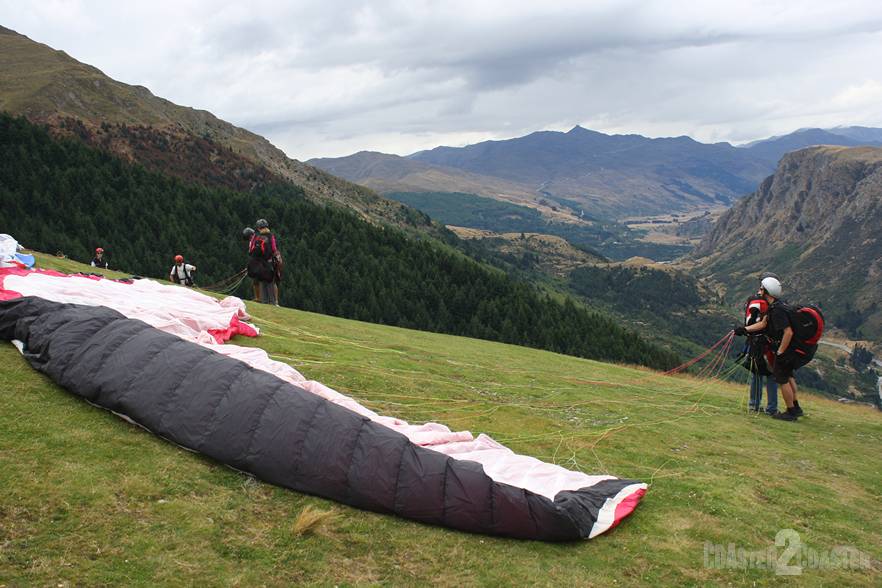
{"x": 797, "y": 410}
{"x": 785, "y": 416}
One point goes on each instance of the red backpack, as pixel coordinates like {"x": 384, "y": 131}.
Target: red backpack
{"x": 808, "y": 323}
{"x": 262, "y": 246}
{"x": 261, "y": 254}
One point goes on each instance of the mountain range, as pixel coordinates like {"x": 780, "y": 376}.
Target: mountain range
{"x": 611, "y": 176}
{"x": 390, "y": 174}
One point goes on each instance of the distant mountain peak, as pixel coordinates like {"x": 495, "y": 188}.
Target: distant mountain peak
{"x": 370, "y": 153}
{"x": 580, "y": 130}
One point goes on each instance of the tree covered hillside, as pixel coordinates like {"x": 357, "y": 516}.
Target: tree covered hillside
{"x": 603, "y": 237}
{"x": 58, "y": 195}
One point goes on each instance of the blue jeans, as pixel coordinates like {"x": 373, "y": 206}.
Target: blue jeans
{"x": 756, "y": 393}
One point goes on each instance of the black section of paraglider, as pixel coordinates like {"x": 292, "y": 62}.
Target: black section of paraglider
{"x": 255, "y": 422}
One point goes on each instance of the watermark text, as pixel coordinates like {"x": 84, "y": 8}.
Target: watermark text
{"x": 787, "y": 557}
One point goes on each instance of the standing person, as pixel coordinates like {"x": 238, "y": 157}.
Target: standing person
{"x": 264, "y": 264}
{"x": 758, "y": 357}
{"x": 790, "y": 353}
{"x": 98, "y": 260}
{"x": 182, "y": 273}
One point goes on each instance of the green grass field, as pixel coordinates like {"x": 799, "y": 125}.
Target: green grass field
{"x": 89, "y": 499}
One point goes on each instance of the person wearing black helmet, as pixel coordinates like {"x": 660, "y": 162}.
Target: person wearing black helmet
{"x": 98, "y": 260}
{"x": 265, "y": 263}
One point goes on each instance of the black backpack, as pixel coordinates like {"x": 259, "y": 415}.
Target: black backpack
{"x": 807, "y": 322}
{"x": 259, "y": 264}
{"x": 262, "y": 247}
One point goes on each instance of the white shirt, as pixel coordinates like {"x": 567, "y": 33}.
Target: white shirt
{"x": 179, "y": 268}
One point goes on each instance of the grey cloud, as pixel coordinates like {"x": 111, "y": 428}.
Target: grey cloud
{"x": 322, "y": 77}
{"x": 252, "y": 36}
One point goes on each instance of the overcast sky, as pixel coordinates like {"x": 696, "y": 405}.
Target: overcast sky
{"x": 328, "y": 77}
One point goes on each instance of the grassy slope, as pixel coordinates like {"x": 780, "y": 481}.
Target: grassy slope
{"x": 90, "y": 499}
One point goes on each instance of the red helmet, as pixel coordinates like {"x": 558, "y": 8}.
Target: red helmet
{"x": 179, "y": 259}
{"x": 99, "y": 250}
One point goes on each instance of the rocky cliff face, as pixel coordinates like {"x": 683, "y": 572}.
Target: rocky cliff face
{"x": 817, "y": 222}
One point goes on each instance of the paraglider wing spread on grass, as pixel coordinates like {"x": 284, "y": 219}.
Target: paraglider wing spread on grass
{"x": 254, "y": 421}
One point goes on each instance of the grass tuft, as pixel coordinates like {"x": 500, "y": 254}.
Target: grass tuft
{"x": 312, "y": 520}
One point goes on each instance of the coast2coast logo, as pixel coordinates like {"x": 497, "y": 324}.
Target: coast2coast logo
{"x": 787, "y": 557}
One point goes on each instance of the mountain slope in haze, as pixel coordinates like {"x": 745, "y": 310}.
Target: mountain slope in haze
{"x": 867, "y": 135}
{"x": 605, "y": 175}
{"x": 392, "y": 173}
{"x": 774, "y": 148}
{"x": 815, "y": 222}
{"x": 612, "y": 175}
{"x": 52, "y": 88}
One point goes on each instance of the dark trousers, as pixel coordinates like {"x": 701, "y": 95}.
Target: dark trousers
{"x": 756, "y": 392}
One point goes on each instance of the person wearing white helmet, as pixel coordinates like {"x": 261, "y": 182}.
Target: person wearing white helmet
{"x": 780, "y": 331}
